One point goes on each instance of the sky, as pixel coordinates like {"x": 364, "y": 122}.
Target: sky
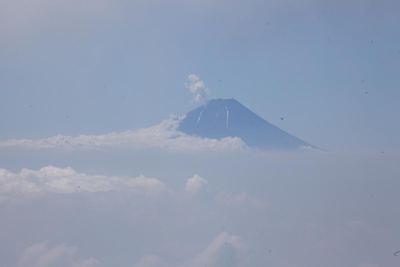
{"x": 330, "y": 68}
{"x": 93, "y": 172}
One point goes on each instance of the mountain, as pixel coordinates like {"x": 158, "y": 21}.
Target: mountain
{"x": 220, "y": 118}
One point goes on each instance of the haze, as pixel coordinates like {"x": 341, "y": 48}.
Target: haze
{"x": 94, "y": 170}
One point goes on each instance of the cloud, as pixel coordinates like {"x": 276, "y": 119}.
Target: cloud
{"x": 121, "y": 229}
{"x": 198, "y": 88}
{"x": 52, "y": 179}
{"x": 225, "y": 250}
{"x": 44, "y": 255}
{"x": 161, "y": 136}
{"x": 195, "y": 184}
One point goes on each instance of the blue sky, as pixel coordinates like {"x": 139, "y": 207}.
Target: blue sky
{"x": 107, "y": 66}
{"x": 94, "y": 174}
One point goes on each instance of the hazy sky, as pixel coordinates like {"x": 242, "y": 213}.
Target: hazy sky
{"x": 94, "y": 174}
{"x": 329, "y": 67}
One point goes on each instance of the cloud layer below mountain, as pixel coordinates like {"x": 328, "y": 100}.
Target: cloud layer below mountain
{"x": 140, "y": 204}
{"x": 161, "y": 136}
{"x": 275, "y": 211}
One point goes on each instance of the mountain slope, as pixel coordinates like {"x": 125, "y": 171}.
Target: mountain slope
{"x": 220, "y": 118}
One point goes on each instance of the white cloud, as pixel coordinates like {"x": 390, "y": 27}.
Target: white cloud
{"x": 52, "y": 179}
{"x": 120, "y": 229}
{"x": 195, "y": 184}
{"x": 44, "y": 255}
{"x": 225, "y": 250}
{"x": 161, "y": 136}
{"x": 197, "y": 87}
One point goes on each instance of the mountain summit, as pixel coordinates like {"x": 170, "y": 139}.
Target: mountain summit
{"x": 220, "y": 118}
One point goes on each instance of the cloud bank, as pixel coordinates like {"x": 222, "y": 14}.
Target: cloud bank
{"x": 64, "y": 195}
{"x": 274, "y": 212}
{"x": 225, "y": 250}
{"x": 161, "y": 136}
{"x": 52, "y": 179}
